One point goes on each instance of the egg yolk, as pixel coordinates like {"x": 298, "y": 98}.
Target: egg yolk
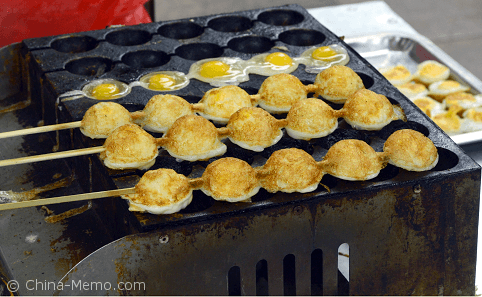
{"x": 213, "y": 69}
{"x": 279, "y": 59}
{"x": 432, "y": 70}
{"x": 448, "y": 85}
{"x": 324, "y": 53}
{"x": 397, "y": 72}
{"x": 105, "y": 91}
{"x": 161, "y": 82}
{"x": 476, "y": 116}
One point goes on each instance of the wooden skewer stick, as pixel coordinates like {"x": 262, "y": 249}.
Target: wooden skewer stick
{"x": 41, "y": 129}
{"x": 52, "y": 156}
{"x": 70, "y": 198}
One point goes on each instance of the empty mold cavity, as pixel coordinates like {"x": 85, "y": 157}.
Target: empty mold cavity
{"x": 128, "y": 37}
{"x": 181, "y": 30}
{"x": 200, "y": 202}
{"x": 145, "y": 59}
{"x": 74, "y": 44}
{"x": 251, "y": 44}
{"x": 447, "y": 159}
{"x": 199, "y": 51}
{"x": 230, "y": 24}
{"x": 91, "y": 66}
{"x": 281, "y": 17}
{"x": 367, "y": 80}
{"x": 386, "y": 173}
{"x": 389, "y": 129}
{"x": 302, "y": 37}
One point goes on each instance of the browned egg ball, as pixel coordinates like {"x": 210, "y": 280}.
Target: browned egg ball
{"x": 161, "y": 191}
{"x": 161, "y": 111}
{"x": 290, "y": 170}
{"x": 367, "y": 110}
{"x": 102, "y": 118}
{"x": 411, "y": 150}
{"x": 254, "y": 129}
{"x": 337, "y": 83}
{"x": 280, "y": 91}
{"x": 311, "y": 118}
{"x": 219, "y": 104}
{"x": 353, "y": 159}
{"x": 230, "y": 179}
{"x": 449, "y": 121}
{"x": 128, "y": 147}
{"x": 192, "y": 138}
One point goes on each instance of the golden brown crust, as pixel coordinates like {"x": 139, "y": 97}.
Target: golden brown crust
{"x": 102, "y": 118}
{"x": 366, "y": 109}
{"x": 161, "y": 111}
{"x": 129, "y": 147}
{"x": 281, "y": 91}
{"x": 337, "y": 83}
{"x": 254, "y": 127}
{"x": 290, "y": 170}
{"x": 230, "y": 179}
{"x": 353, "y": 159}
{"x": 160, "y": 188}
{"x": 223, "y": 102}
{"x": 411, "y": 150}
{"x": 191, "y": 135}
{"x": 312, "y": 116}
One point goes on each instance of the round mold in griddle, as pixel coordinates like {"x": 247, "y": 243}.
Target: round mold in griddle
{"x": 367, "y": 80}
{"x": 199, "y": 51}
{"x": 230, "y": 24}
{"x": 251, "y": 44}
{"x": 145, "y": 59}
{"x": 128, "y": 37}
{"x": 281, "y": 17}
{"x": 447, "y": 160}
{"x": 389, "y": 129}
{"x": 181, "y": 30}
{"x": 89, "y": 66}
{"x": 302, "y": 37}
{"x": 74, "y": 44}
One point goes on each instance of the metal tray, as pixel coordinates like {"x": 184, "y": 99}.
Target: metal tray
{"x": 389, "y": 49}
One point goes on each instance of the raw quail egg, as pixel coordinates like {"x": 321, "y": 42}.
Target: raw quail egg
{"x": 271, "y": 63}
{"x": 220, "y": 71}
{"x": 164, "y": 81}
{"x": 319, "y": 58}
{"x": 106, "y": 89}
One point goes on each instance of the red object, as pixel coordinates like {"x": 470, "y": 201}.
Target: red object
{"x": 38, "y": 18}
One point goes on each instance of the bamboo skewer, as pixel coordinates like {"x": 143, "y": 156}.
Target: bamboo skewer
{"x": 52, "y": 156}
{"x": 70, "y": 198}
{"x": 41, "y": 129}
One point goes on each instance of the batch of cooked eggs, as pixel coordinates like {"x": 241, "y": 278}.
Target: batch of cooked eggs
{"x": 447, "y": 102}
{"x": 277, "y": 119}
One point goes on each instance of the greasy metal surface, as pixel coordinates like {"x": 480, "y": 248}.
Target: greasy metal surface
{"x": 30, "y": 247}
{"x": 403, "y": 240}
{"x": 389, "y": 49}
{"x": 398, "y": 221}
